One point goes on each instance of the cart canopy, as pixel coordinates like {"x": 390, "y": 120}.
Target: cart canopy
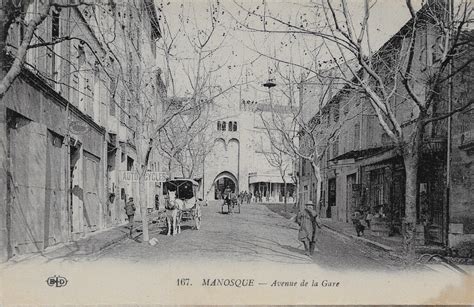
{"x": 185, "y": 188}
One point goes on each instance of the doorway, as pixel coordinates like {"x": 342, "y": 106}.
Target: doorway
{"x": 76, "y": 193}
{"x": 331, "y": 196}
{"x": 221, "y": 184}
{"x": 350, "y": 201}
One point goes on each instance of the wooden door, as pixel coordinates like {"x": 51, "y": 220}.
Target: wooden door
{"x": 91, "y": 208}
{"x": 26, "y": 186}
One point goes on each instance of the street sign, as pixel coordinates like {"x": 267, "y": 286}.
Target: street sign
{"x": 149, "y": 176}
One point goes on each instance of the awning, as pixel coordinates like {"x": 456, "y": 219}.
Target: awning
{"x": 269, "y": 178}
{"x": 363, "y": 154}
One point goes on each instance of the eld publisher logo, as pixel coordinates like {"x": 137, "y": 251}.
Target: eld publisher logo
{"x": 56, "y": 281}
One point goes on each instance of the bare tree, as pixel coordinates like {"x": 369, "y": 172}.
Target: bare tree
{"x": 291, "y": 135}
{"x": 207, "y": 75}
{"x": 15, "y": 15}
{"x": 280, "y": 161}
{"x": 393, "y": 74}
{"x": 187, "y": 140}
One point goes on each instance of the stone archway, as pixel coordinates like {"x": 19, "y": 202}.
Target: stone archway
{"x": 223, "y": 180}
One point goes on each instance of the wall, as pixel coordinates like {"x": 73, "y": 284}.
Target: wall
{"x": 461, "y": 202}
{"x": 37, "y": 213}
{"x": 46, "y": 202}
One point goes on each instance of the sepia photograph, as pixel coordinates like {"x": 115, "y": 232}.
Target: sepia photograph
{"x": 236, "y": 152}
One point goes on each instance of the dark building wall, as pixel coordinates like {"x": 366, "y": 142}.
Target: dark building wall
{"x": 461, "y": 202}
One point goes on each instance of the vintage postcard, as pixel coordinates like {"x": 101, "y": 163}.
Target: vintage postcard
{"x": 236, "y": 152}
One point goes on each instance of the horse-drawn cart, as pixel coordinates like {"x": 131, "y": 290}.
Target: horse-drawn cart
{"x": 181, "y": 200}
{"x": 233, "y": 205}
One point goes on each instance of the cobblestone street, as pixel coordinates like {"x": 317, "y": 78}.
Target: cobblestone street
{"x": 255, "y": 235}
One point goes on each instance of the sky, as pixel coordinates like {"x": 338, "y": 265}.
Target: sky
{"x": 240, "y": 50}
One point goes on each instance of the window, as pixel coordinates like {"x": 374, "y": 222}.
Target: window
{"x": 112, "y": 99}
{"x": 123, "y": 115}
{"x": 335, "y": 147}
{"x": 356, "y": 135}
{"x": 55, "y": 49}
{"x": 55, "y": 25}
{"x": 385, "y": 139}
{"x": 222, "y": 126}
{"x": 129, "y": 163}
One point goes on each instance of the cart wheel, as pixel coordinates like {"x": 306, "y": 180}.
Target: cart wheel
{"x": 197, "y": 220}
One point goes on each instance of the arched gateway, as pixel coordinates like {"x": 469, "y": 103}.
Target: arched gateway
{"x": 223, "y": 180}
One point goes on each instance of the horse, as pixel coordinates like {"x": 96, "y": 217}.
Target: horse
{"x": 173, "y": 213}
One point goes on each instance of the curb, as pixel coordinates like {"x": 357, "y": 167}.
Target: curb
{"x": 364, "y": 240}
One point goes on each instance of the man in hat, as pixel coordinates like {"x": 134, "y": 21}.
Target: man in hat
{"x": 307, "y": 220}
{"x": 130, "y": 211}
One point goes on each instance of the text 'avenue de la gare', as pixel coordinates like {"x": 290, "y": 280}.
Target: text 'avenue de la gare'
{"x": 239, "y": 283}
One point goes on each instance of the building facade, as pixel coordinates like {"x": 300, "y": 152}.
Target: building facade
{"x": 363, "y": 170}
{"x": 66, "y": 126}
{"x": 238, "y": 158}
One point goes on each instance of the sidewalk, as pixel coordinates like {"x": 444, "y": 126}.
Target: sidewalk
{"x": 389, "y": 244}
{"x": 90, "y": 244}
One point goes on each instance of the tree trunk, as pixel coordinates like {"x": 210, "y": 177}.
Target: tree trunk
{"x": 142, "y": 161}
{"x": 284, "y": 195}
{"x": 317, "y": 175}
{"x": 143, "y": 206}
{"x": 411, "y": 160}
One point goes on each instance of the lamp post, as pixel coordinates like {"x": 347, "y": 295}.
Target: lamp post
{"x": 269, "y": 84}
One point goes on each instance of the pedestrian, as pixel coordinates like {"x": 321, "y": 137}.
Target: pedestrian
{"x": 130, "y": 211}
{"x": 307, "y": 220}
{"x": 232, "y": 201}
{"x": 368, "y": 218}
{"x": 356, "y": 220}
{"x": 227, "y": 192}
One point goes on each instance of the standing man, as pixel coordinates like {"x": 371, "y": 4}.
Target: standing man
{"x": 308, "y": 223}
{"x": 130, "y": 211}
{"x": 227, "y": 192}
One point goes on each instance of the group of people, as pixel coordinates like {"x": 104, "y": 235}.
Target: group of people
{"x": 230, "y": 198}
{"x": 245, "y": 197}
{"x": 241, "y": 197}
{"x": 363, "y": 220}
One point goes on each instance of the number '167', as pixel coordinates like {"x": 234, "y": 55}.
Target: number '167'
{"x": 183, "y": 282}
